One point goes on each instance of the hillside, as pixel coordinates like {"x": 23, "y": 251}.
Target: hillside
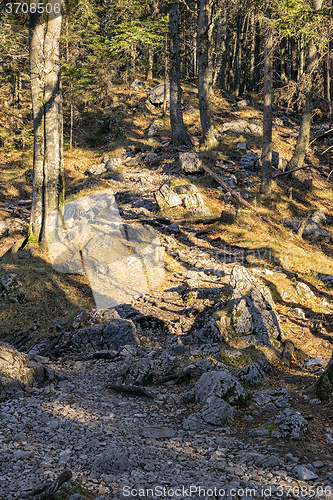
{"x": 190, "y": 320}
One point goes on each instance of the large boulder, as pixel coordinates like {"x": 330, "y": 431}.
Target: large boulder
{"x": 220, "y": 384}
{"x": 16, "y": 370}
{"x": 156, "y": 95}
{"x": 115, "y": 334}
{"x": 252, "y": 309}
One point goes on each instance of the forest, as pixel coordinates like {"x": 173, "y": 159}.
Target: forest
{"x": 166, "y": 249}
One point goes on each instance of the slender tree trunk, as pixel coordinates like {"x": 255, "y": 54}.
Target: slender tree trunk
{"x": 219, "y": 63}
{"x": 71, "y": 118}
{"x": 150, "y": 62}
{"x": 238, "y": 54}
{"x": 179, "y": 132}
{"x": 48, "y": 181}
{"x": 266, "y": 156}
{"x": 304, "y": 130}
{"x": 252, "y": 56}
{"x": 205, "y": 74}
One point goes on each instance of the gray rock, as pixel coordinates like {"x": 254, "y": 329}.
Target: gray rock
{"x": 136, "y": 371}
{"x": 326, "y": 278}
{"x": 4, "y": 227}
{"x": 111, "y": 461}
{"x": 209, "y": 333}
{"x": 241, "y": 127}
{"x": 315, "y": 233}
{"x": 304, "y": 291}
{"x": 152, "y": 158}
{"x": 190, "y": 163}
{"x": 219, "y": 384}
{"x": 155, "y": 128}
{"x": 193, "y": 201}
{"x": 252, "y": 374}
{"x": 158, "y": 432}
{"x": 319, "y": 217}
{"x": 250, "y": 160}
{"x": 137, "y": 84}
{"x": 115, "y": 334}
{"x": 289, "y": 424}
{"x": 185, "y": 190}
{"x": 113, "y": 164}
{"x": 165, "y": 197}
{"x": 314, "y": 362}
{"x": 271, "y": 399}
{"x": 299, "y": 312}
{"x": 304, "y": 474}
{"x": 11, "y": 288}
{"x": 216, "y": 412}
{"x": 259, "y": 433}
{"x": 253, "y": 316}
{"x": 243, "y": 103}
{"x": 293, "y": 224}
{"x": 231, "y": 180}
{"x": 120, "y": 332}
{"x": 96, "y": 169}
{"x": 174, "y": 227}
{"x": 16, "y": 370}
{"x": 241, "y": 146}
{"x": 76, "y": 496}
{"x": 196, "y": 369}
{"x": 156, "y": 95}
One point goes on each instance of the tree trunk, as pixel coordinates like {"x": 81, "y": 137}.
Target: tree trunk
{"x": 304, "y": 130}
{"x": 238, "y": 54}
{"x": 179, "y": 133}
{"x": 48, "y": 180}
{"x": 150, "y": 62}
{"x": 266, "y": 155}
{"x": 220, "y": 48}
{"x": 205, "y": 73}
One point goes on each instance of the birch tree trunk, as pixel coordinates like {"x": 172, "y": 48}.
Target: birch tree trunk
{"x": 266, "y": 155}
{"x": 48, "y": 173}
{"x": 179, "y": 133}
{"x": 205, "y": 73}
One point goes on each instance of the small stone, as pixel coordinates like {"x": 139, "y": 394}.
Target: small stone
{"x": 158, "y": 432}
{"x": 304, "y": 474}
{"x": 299, "y": 312}
{"x": 190, "y": 163}
{"x": 174, "y": 227}
{"x": 304, "y": 291}
{"x": 315, "y": 362}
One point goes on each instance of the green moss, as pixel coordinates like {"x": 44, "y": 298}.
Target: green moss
{"x": 324, "y": 386}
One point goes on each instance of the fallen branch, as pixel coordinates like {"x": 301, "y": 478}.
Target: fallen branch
{"x": 326, "y": 150}
{"x": 136, "y": 390}
{"x": 46, "y": 491}
{"x": 321, "y": 135}
{"x": 289, "y": 171}
{"x": 237, "y": 196}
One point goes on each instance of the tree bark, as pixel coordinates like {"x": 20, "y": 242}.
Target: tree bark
{"x": 48, "y": 180}
{"x": 205, "y": 73}
{"x": 266, "y": 155}
{"x": 304, "y": 130}
{"x": 179, "y": 133}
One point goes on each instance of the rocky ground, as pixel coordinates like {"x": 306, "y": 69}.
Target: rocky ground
{"x": 203, "y": 387}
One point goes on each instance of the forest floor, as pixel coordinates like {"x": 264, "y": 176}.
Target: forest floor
{"x": 87, "y": 417}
